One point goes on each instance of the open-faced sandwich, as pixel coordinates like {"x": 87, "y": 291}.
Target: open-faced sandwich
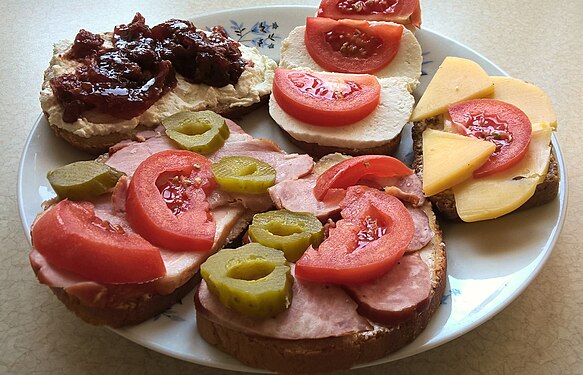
{"x": 105, "y": 88}
{"x": 344, "y": 85}
{"x": 326, "y": 302}
{"x": 483, "y": 144}
{"x": 126, "y": 236}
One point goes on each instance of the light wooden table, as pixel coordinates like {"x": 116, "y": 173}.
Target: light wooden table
{"x": 539, "y": 333}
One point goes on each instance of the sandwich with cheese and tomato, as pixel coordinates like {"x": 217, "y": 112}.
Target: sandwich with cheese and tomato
{"x": 482, "y": 144}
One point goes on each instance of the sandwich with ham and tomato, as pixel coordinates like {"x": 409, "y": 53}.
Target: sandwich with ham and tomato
{"x": 482, "y": 144}
{"x": 303, "y": 297}
{"x": 103, "y": 88}
{"x": 344, "y": 85}
{"x": 125, "y": 236}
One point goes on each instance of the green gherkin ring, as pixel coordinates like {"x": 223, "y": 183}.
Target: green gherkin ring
{"x": 83, "y": 180}
{"x": 202, "y": 132}
{"x": 253, "y": 280}
{"x": 243, "y": 174}
{"x": 290, "y": 232}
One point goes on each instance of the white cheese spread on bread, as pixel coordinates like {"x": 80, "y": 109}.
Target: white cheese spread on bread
{"x": 254, "y": 83}
{"x": 382, "y": 125}
{"x": 407, "y": 62}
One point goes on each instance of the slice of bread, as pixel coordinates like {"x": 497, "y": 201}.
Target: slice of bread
{"x": 94, "y": 131}
{"x": 444, "y": 202}
{"x": 330, "y": 353}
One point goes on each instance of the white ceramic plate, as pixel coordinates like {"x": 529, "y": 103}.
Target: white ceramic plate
{"x": 489, "y": 263}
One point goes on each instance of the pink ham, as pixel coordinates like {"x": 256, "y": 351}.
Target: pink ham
{"x": 126, "y": 156}
{"x": 396, "y": 296}
{"x": 308, "y": 317}
{"x": 423, "y": 233}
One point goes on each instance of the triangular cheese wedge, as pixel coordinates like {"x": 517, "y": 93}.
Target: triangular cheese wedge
{"x": 493, "y": 196}
{"x": 529, "y": 98}
{"x": 456, "y": 80}
{"x": 449, "y": 159}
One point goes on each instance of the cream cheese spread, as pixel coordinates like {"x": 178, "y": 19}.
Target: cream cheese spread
{"x": 378, "y": 128}
{"x": 407, "y": 62}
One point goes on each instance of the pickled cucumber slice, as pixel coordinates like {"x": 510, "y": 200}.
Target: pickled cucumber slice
{"x": 83, "y": 180}
{"x": 202, "y": 132}
{"x": 253, "y": 280}
{"x": 243, "y": 174}
{"x": 290, "y": 232}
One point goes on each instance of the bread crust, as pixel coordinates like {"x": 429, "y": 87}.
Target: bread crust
{"x": 99, "y": 144}
{"x": 317, "y": 151}
{"x": 333, "y": 353}
{"x": 444, "y": 202}
{"x": 130, "y": 312}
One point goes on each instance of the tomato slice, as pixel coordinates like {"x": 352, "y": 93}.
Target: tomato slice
{"x": 72, "y": 238}
{"x": 326, "y": 99}
{"x": 400, "y": 11}
{"x": 167, "y": 204}
{"x": 350, "y": 46}
{"x": 373, "y": 235}
{"x": 350, "y": 171}
{"x": 496, "y": 121}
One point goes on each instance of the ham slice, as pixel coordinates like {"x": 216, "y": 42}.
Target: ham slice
{"x": 397, "y": 295}
{"x": 317, "y": 311}
{"x": 228, "y": 211}
{"x": 127, "y": 156}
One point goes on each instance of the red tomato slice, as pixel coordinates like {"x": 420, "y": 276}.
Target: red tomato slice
{"x": 373, "y": 235}
{"x": 167, "y": 204}
{"x": 350, "y": 171}
{"x": 350, "y": 46}
{"x": 72, "y": 238}
{"x": 326, "y": 99}
{"x": 400, "y": 11}
{"x": 496, "y": 121}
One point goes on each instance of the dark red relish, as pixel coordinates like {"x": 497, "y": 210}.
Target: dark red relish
{"x": 126, "y": 79}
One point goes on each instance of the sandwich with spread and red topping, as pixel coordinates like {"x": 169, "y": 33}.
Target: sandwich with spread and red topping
{"x": 104, "y": 88}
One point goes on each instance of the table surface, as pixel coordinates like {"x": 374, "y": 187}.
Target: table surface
{"x": 540, "y": 332}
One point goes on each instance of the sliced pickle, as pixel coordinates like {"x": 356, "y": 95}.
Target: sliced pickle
{"x": 202, "y": 132}
{"x": 290, "y": 232}
{"x": 243, "y": 174}
{"x": 83, "y": 180}
{"x": 253, "y": 280}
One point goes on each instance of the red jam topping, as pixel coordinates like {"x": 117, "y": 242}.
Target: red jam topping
{"x": 351, "y": 42}
{"x": 125, "y": 79}
{"x": 316, "y": 87}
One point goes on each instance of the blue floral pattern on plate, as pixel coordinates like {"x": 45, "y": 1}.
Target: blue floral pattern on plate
{"x": 261, "y": 34}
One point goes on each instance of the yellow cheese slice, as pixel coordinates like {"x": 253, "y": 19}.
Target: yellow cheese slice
{"x": 531, "y": 99}
{"x": 493, "y": 196}
{"x": 456, "y": 80}
{"x": 449, "y": 159}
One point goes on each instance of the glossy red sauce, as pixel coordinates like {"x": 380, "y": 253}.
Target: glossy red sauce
{"x": 125, "y": 78}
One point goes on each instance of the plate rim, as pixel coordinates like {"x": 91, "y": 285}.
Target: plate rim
{"x": 547, "y": 248}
